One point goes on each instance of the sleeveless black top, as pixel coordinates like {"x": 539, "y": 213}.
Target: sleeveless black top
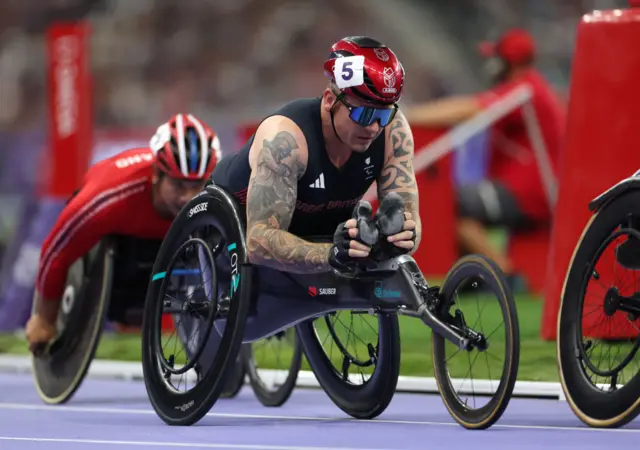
{"x": 326, "y": 195}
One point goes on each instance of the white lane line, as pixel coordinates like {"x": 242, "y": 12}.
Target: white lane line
{"x": 123, "y": 411}
{"x": 175, "y": 444}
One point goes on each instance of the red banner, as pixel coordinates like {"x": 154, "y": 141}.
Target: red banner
{"x": 70, "y": 109}
{"x": 601, "y": 148}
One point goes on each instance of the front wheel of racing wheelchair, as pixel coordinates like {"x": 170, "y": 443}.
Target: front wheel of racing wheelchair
{"x": 105, "y": 285}
{"x": 599, "y": 317}
{"x": 238, "y": 303}
{"x": 61, "y": 366}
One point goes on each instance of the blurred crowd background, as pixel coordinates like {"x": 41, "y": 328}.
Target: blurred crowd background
{"x": 230, "y": 61}
{"x": 235, "y": 59}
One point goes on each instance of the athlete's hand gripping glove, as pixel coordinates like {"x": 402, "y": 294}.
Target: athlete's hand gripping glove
{"x": 339, "y": 257}
{"x": 390, "y": 220}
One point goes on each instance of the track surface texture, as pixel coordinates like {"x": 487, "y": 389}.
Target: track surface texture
{"x": 117, "y": 414}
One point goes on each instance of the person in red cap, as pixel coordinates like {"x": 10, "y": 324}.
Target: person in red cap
{"x": 513, "y": 195}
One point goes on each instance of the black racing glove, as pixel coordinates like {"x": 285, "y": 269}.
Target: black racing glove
{"x": 339, "y": 257}
{"x": 367, "y": 234}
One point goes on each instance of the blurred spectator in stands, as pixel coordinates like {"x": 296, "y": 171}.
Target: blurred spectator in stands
{"x": 513, "y": 195}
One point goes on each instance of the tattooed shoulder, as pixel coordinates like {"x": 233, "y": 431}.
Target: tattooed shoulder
{"x": 272, "y": 190}
{"x": 279, "y": 156}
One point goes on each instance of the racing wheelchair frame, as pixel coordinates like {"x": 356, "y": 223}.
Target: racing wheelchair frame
{"x": 615, "y": 214}
{"x": 109, "y": 284}
{"x": 257, "y": 302}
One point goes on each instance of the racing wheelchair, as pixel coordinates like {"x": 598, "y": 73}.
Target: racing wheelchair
{"x": 235, "y": 302}
{"x": 109, "y": 284}
{"x": 600, "y": 309}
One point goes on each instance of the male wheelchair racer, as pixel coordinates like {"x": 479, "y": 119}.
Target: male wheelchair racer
{"x": 109, "y": 284}
{"x": 238, "y": 302}
{"x": 600, "y": 310}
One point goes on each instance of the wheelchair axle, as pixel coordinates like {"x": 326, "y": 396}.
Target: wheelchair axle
{"x": 198, "y": 309}
{"x": 615, "y": 302}
{"x": 193, "y": 308}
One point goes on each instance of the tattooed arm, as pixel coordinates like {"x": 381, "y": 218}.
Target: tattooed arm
{"x": 278, "y": 159}
{"x": 397, "y": 175}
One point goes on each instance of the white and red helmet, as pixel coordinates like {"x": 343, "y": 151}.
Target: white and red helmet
{"x": 186, "y": 148}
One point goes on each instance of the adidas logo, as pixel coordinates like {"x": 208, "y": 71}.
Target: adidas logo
{"x": 319, "y": 183}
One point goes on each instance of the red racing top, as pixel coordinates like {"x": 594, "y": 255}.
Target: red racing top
{"x": 115, "y": 198}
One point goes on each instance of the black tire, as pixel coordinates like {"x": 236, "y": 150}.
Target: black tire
{"x": 477, "y": 266}
{"x": 236, "y": 379}
{"x": 213, "y": 207}
{"x": 279, "y": 396}
{"x": 59, "y": 373}
{"x": 592, "y": 406}
{"x": 369, "y": 400}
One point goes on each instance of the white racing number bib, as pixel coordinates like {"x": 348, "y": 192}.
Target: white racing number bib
{"x": 348, "y": 71}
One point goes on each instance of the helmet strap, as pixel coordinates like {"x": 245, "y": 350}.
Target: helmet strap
{"x": 333, "y": 125}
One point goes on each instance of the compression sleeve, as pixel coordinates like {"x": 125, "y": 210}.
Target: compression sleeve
{"x": 93, "y": 213}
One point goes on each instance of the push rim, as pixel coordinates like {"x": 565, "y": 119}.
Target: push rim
{"x": 205, "y": 308}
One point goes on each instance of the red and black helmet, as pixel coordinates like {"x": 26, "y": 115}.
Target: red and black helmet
{"x": 186, "y": 148}
{"x": 365, "y": 68}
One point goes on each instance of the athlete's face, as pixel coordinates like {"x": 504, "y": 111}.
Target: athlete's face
{"x": 356, "y": 136}
{"x": 173, "y": 194}
{"x": 496, "y": 70}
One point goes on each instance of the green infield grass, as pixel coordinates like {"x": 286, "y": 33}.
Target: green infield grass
{"x": 537, "y": 357}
